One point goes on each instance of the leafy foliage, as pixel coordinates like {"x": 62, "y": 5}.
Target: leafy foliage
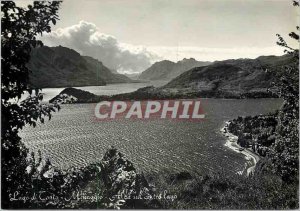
{"x": 257, "y": 132}
{"x": 285, "y": 151}
{"x": 19, "y": 27}
{"x": 220, "y": 191}
{"x": 277, "y": 135}
{"x": 51, "y": 187}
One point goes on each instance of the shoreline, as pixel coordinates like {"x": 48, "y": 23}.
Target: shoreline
{"x": 231, "y": 143}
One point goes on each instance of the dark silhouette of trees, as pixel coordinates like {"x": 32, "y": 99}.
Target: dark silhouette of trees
{"x": 24, "y": 174}
{"x": 19, "y": 27}
{"x": 285, "y": 151}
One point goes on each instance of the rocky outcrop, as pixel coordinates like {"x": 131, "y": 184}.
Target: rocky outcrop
{"x": 124, "y": 186}
{"x": 72, "y": 95}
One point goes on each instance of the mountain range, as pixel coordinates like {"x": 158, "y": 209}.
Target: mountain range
{"x": 63, "y": 67}
{"x": 167, "y": 70}
{"x": 236, "y": 76}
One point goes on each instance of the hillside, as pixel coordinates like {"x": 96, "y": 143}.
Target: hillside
{"x": 241, "y": 78}
{"x": 231, "y": 76}
{"x": 167, "y": 70}
{"x": 63, "y": 67}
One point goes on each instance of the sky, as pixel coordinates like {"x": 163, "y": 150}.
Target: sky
{"x": 130, "y": 35}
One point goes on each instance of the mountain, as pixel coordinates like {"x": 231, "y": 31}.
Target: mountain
{"x": 235, "y": 78}
{"x": 63, "y": 67}
{"x": 167, "y": 70}
{"x": 106, "y": 74}
{"x": 133, "y": 76}
{"x": 238, "y": 76}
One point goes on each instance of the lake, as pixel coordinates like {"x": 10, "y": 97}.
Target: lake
{"x": 110, "y": 89}
{"x": 74, "y": 138}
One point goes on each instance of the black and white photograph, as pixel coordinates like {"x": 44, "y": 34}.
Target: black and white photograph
{"x": 150, "y": 104}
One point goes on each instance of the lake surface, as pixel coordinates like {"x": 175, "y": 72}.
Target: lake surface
{"x": 110, "y": 89}
{"x": 74, "y": 138}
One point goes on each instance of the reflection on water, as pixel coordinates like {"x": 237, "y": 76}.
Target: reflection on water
{"x": 74, "y": 138}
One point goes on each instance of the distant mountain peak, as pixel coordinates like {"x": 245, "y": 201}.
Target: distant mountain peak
{"x": 164, "y": 61}
{"x": 167, "y": 70}
{"x": 186, "y": 59}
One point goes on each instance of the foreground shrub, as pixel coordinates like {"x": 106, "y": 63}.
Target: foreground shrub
{"x": 219, "y": 191}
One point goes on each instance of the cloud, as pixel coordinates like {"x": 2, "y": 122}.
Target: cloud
{"x": 87, "y": 39}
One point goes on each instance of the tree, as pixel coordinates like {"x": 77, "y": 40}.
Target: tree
{"x": 23, "y": 173}
{"x": 19, "y": 27}
{"x": 284, "y": 153}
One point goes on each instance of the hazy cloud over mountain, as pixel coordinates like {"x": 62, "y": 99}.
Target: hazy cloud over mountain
{"x": 87, "y": 39}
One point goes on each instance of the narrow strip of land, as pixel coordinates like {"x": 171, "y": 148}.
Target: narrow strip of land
{"x": 231, "y": 142}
